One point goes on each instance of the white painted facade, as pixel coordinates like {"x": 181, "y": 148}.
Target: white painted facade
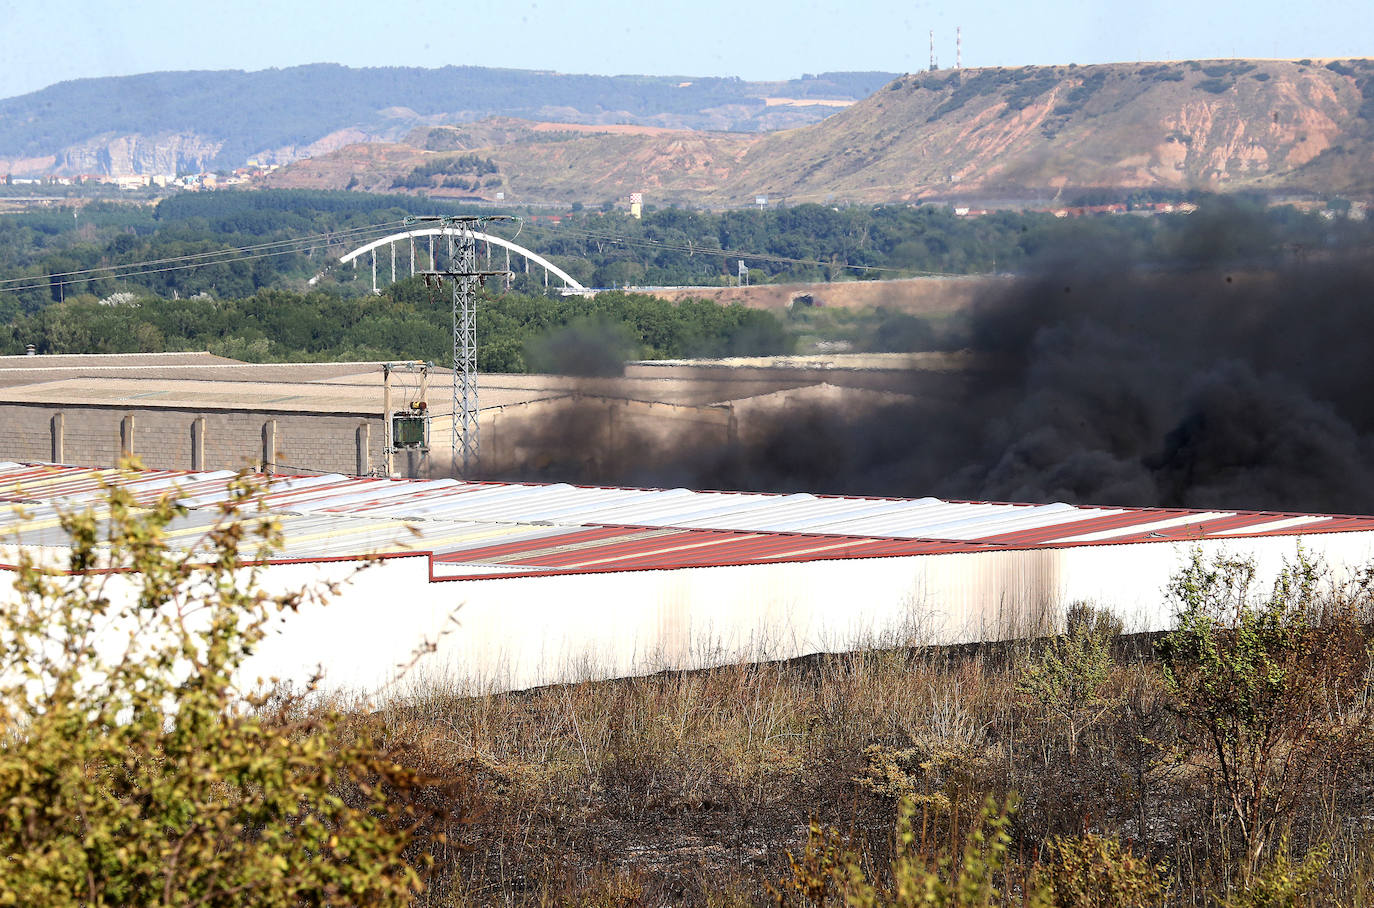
{"x": 508, "y": 586}
{"x": 518, "y": 632}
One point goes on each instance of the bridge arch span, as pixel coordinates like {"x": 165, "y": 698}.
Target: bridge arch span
{"x": 569, "y": 282}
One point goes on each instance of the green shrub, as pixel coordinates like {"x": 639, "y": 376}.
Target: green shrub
{"x": 830, "y": 872}
{"x": 1067, "y": 678}
{"x": 132, "y": 771}
{"x": 1093, "y": 871}
{"x": 1281, "y": 883}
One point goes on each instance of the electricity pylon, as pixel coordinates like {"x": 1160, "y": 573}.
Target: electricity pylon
{"x": 465, "y": 277}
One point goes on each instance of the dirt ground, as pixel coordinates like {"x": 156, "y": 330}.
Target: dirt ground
{"x": 921, "y": 295}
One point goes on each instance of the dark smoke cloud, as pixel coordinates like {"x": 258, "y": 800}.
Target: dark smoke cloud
{"x": 1194, "y": 389}
{"x": 585, "y": 348}
{"x": 1109, "y": 382}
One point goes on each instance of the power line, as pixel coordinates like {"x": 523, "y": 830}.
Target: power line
{"x": 194, "y": 260}
{"x": 292, "y": 245}
{"x": 198, "y": 259}
{"x": 40, "y": 284}
{"x": 306, "y": 240}
{"x": 693, "y": 249}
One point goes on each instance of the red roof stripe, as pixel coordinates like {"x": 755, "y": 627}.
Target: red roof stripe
{"x": 573, "y": 536}
{"x": 1220, "y": 525}
{"x": 610, "y": 552}
{"x": 1335, "y": 525}
{"x": 672, "y": 553}
{"x": 1082, "y": 527}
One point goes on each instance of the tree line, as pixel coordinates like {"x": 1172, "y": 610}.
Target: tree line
{"x": 607, "y": 248}
{"x": 519, "y": 332}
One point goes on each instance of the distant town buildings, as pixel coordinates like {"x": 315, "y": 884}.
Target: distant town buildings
{"x": 1078, "y": 211}
{"x": 191, "y": 181}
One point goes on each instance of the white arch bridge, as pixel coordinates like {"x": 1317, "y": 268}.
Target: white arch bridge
{"x": 407, "y": 241}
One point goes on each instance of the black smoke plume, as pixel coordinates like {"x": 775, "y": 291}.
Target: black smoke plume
{"x": 584, "y": 348}
{"x": 1106, "y": 382}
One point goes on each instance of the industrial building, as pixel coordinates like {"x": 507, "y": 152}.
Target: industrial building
{"x": 510, "y": 585}
{"x": 197, "y": 411}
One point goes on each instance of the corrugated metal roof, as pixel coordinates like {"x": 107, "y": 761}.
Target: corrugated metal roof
{"x": 487, "y": 529}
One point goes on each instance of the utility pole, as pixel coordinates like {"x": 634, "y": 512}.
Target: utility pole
{"x": 404, "y": 430}
{"x": 465, "y": 277}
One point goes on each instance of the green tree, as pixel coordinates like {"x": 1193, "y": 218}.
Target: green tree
{"x": 1067, "y": 678}
{"x": 1268, "y": 688}
{"x": 132, "y": 769}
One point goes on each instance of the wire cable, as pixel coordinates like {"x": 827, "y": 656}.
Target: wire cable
{"x": 194, "y": 260}
{"x": 299, "y": 469}
{"x": 40, "y": 283}
{"x": 350, "y": 233}
{"x": 291, "y": 246}
{"x": 693, "y": 249}
{"x": 180, "y": 258}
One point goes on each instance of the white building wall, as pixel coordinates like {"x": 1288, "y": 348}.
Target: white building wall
{"x": 520, "y": 632}
{"x": 392, "y": 628}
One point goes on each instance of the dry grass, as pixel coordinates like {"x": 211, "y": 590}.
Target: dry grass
{"x": 691, "y": 788}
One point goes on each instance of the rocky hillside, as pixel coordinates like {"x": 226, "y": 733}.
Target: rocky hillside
{"x": 991, "y": 133}
{"x": 190, "y": 121}
{"x": 1217, "y": 125}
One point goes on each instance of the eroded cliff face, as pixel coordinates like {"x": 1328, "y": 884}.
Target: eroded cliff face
{"x": 1036, "y": 131}
{"x": 1031, "y": 132}
{"x": 1229, "y": 139}
{"x": 333, "y": 142}
{"x": 114, "y": 155}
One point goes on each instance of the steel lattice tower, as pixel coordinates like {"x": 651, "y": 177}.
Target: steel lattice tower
{"x": 466, "y": 277}
{"x": 466, "y": 437}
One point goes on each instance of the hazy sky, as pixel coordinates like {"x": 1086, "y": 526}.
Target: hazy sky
{"x": 756, "y": 39}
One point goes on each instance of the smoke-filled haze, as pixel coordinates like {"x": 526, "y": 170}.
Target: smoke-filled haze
{"x": 1114, "y": 383}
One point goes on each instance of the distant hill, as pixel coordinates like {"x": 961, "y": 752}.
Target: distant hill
{"x": 190, "y": 121}
{"x": 1036, "y": 132}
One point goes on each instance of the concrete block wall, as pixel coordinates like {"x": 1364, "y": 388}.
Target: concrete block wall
{"x": 162, "y": 438}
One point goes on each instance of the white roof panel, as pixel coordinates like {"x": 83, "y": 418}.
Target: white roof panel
{"x": 335, "y": 515}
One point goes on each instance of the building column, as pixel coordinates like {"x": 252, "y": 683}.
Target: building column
{"x": 198, "y": 443}
{"x": 269, "y": 446}
{"x": 364, "y": 437}
{"x": 57, "y": 440}
{"x": 126, "y": 436}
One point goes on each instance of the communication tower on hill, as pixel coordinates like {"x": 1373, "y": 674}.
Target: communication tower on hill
{"x": 958, "y": 47}
{"x": 932, "y": 50}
